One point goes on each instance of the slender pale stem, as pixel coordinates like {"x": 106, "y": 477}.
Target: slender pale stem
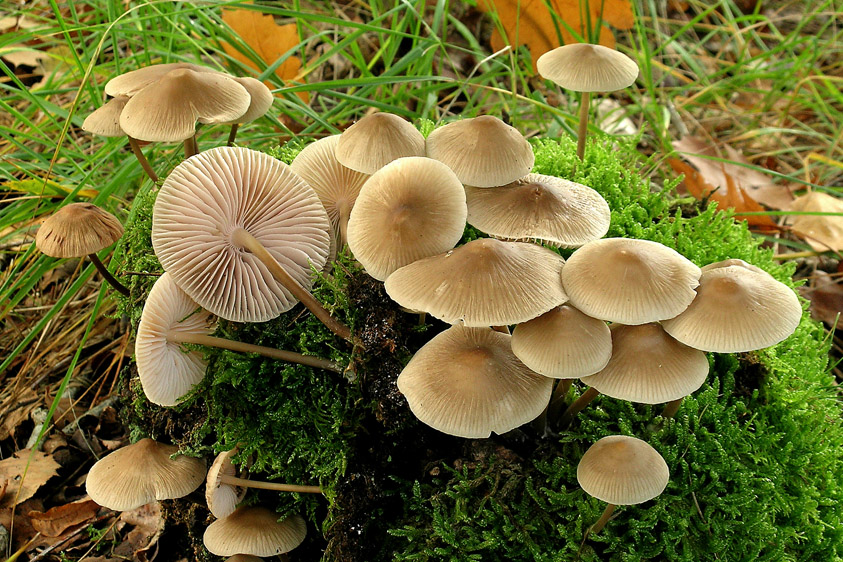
{"x": 583, "y": 126}
{"x": 597, "y": 527}
{"x": 344, "y": 208}
{"x": 233, "y": 133}
{"x": 136, "y": 150}
{"x": 576, "y": 406}
{"x": 671, "y": 408}
{"x": 231, "y": 345}
{"x": 110, "y": 279}
{"x": 243, "y": 238}
{"x": 246, "y": 483}
{"x": 190, "y": 146}
{"x": 557, "y": 400}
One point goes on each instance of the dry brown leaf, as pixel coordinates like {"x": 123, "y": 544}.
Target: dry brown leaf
{"x": 148, "y": 523}
{"x": 57, "y": 520}
{"x": 826, "y": 296}
{"x": 42, "y": 467}
{"x": 821, "y": 232}
{"x": 26, "y": 401}
{"x": 24, "y": 531}
{"x": 529, "y": 22}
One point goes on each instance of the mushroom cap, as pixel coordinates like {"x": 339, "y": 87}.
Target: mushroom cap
{"x": 467, "y": 382}
{"x": 547, "y": 208}
{"x": 167, "y": 110}
{"x": 167, "y": 372}
{"x": 132, "y": 82}
{"x": 105, "y": 120}
{"x": 649, "y": 367}
{"x": 211, "y": 196}
{"x": 222, "y": 498}
{"x": 77, "y": 230}
{"x": 485, "y": 282}
{"x": 244, "y": 558}
{"x": 622, "y": 470}
{"x": 376, "y": 140}
{"x": 630, "y": 281}
{"x": 583, "y": 67}
{"x": 142, "y": 473}
{"x": 738, "y": 307}
{"x": 410, "y": 209}
{"x": 255, "y": 531}
{"x": 260, "y": 99}
{"x": 563, "y": 343}
{"x": 483, "y": 151}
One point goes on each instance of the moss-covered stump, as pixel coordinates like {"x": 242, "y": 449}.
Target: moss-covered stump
{"x": 755, "y": 454}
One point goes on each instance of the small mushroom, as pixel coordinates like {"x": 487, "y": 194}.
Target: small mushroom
{"x": 376, "y": 140}
{"x": 255, "y": 531}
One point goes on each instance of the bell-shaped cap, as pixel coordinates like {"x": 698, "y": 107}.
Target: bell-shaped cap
{"x": 630, "y": 281}
{"x": 77, "y": 230}
{"x": 483, "y": 151}
{"x": 206, "y": 200}
{"x": 222, "y": 498}
{"x": 255, "y": 531}
{"x": 649, "y": 367}
{"x": 485, "y": 282}
{"x": 563, "y": 343}
{"x": 105, "y": 121}
{"x": 583, "y": 67}
{"x": 622, "y": 470}
{"x": 260, "y": 99}
{"x": 553, "y": 210}
{"x": 738, "y": 307}
{"x": 467, "y": 382}
{"x": 132, "y": 82}
{"x": 142, "y": 473}
{"x": 410, "y": 209}
{"x": 376, "y": 140}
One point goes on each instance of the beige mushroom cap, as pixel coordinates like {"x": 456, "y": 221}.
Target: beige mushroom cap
{"x": 622, "y": 470}
{"x": 583, "y": 67}
{"x": 255, "y": 531}
{"x": 77, "y": 230}
{"x": 630, "y": 281}
{"x": 222, "y": 498}
{"x": 649, "y": 367}
{"x": 546, "y": 208}
{"x": 105, "y": 120}
{"x": 485, "y": 282}
{"x": 738, "y": 307}
{"x": 467, "y": 382}
{"x": 132, "y": 82}
{"x": 376, "y": 140}
{"x": 260, "y": 99}
{"x": 141, "y": 473}
{"x": 410, "y": 209}
{"x": 483, "y": 151}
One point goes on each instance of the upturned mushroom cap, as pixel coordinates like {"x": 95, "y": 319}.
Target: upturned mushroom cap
{"x": 583, "y": 67}
{"x": 649, "y": 367}
{"x": 547, "y": 208}
{"x": 141, "y": 473}
{"x": 563, "y": 343}
{"x": 622, "y": 470}
{"x": 132, "y": 82}
{"x": 207, "y": 200}
{"x": 222, "y": 498}
{"x": 255, "y": 531}
{"x": 630, "y": 281}
{"x": 738, "y": 307}
{"x": 485, "y": 282}
{"x": 467, "y": 382}
{"x": 77, "y": 230}
{"x": 410, "y": 209}
{"x": 260, "y": 99}
{"x": 105, "y": 120}
{"x": 376, "y": 140}
{"x": 483, "y": 151}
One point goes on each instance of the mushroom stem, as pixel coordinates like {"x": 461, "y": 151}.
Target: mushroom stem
{"x": 190, "y": 147}
{"x": 597, "y": 527}
{"x": 577, "y": 405}
{"x": 558, "y": 397}
{"x": 231, "y": 345}
{"x": 110, "y": 279}
{"x": 246, "y": 483}
{"x": 672, "y": 407}
{"x": 243, "y": 238}
{"x": 583, "y": 125}
{"x": 344, "y": 211}
{"x": 136, "y": 150}
{"x": 233, "y": 133}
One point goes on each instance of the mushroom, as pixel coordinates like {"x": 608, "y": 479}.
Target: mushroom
{"x": 376, "y": 140}
{"x": 255, "y": 531}
{"x": 259, "y": 103}
{"x": 81, "y": 229}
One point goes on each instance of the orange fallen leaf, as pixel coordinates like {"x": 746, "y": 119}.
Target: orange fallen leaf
{"x": 821, "y": 232}
{"x": 57, "y": 520}
{"x": 529, "y": 22}
{"x": 42, "y": 467}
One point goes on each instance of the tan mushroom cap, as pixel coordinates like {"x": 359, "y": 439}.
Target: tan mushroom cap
{"x": 77, "y": 230}
{"x": 622, "y": 470}
{"x": 739, "y": 307}
{"x": 483, "y": 151}
{"x": 485, "y": 282}
{"x": 376, "y": 140}
{"x": 467, "y": 382}
{"x": 255, "y": 531}
{"x": 222, "y": 498}
{"x": 546, "y": 208}
{"x": 166, "y": 370}
{"x": 210, "y": 198}
{"x": 167, "y": 110}
{"x": 105, "y": 120}
{"x": 649, "y": 367}
{"x": 630, "y": 281}
{"x": 410, "y": 209}
{"x": 132, "y": 82}
{"x": 244, "y": 558}
{"x": 583, "y": 67}
{"x": 563, "y": 343}
{"x": 141, "y": 473}
{"x": 260, "y": 99}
